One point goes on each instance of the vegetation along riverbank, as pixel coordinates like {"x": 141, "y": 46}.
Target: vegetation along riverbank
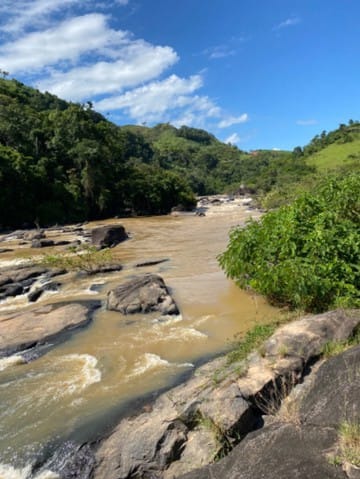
{"x": 284, "y": 402}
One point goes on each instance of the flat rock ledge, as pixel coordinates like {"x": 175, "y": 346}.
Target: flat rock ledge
{"x": 34, "y": 328}
{"x": 223, "y": 408}
{"x": 142, "y": 294}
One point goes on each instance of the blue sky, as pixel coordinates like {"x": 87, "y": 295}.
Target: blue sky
{"x": 258, "y": 74}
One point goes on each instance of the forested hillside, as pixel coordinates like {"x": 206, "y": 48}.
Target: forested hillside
{"x": 63, "y": 162}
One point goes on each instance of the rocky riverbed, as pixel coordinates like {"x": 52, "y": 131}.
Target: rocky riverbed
{"x": 187, "y": 430}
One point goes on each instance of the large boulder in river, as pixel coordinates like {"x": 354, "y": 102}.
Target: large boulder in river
{"x": 108, "y": 236}
{"x": 142, "y": 294}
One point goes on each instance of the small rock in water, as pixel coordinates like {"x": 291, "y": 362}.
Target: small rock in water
{"x": 34, "y": 235}
{"x": 97, "y": 287}
{"x": 42, "y": 243}
{"x": 151, "y": 262}
{"x": 5, "y": 250}
{"x": 35, "y": 295}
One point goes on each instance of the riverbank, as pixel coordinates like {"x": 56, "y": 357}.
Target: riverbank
{"x": 202, "y": 420}
{"x": 277, "y": 412}
{"x": 115, "y": 359}
{"x": 130, "y": 357}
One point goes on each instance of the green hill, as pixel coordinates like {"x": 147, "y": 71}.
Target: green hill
{"x": 335, "y": 149}
{"x": 63, "y": 162}
{"x": 336, "y": 155}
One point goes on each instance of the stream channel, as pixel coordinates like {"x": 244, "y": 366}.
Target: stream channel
{"x": 81, "y": 387}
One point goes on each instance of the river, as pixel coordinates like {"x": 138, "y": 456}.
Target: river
{"x": 82, "y": 386}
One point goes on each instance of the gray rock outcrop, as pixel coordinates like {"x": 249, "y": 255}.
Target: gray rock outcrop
{"x": 302, "y": 443}
{"x": 108, "y": 236}
{"x": 22, "y": 330}
{"x": 201, "y": 420}
{"x": 142, "y": 294}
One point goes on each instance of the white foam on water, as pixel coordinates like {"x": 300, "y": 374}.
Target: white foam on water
{"x": 14, "y": 262}
{"x": 11, "y": 361}
{"x": 180, "y": 334}
{"x": 185, "y": 365}
{"x": 168, "y": 319}
{"x": 189, "y": 333}
{"x": 148, "y": 361}
{"x": 67, "y": 375}
{"x": 203, "y": 319}
{"x": 47, "y": 475}
{"x": 89, "y": 373}
{"x": 9, "y": 472}
{"x": 14, "y": 302}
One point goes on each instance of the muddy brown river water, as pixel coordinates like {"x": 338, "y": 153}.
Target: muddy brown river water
{"x": 81, "y": 385}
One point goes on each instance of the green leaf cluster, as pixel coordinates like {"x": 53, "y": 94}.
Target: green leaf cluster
{"x": 306, "y": 254}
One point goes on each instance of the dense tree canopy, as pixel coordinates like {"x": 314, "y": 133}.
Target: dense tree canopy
{"x": 63, "y": 162}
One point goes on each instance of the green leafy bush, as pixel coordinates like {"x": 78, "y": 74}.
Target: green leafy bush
{"x": 305, "y": 254}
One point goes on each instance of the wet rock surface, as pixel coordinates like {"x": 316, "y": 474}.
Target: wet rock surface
{"x": 19, "y": 280}
{"x": 105, "y": 268}
{"x": 151, "y": 262}
{"x": 22, "y": 330}
{"x": 70, "y": 460}
{"x": 142, "y": 294}
{"x": 108, "y": 236}
{"x": 192, "y": 425}
{"x": 42, "y": 243}
{"x": 50, "y": 286}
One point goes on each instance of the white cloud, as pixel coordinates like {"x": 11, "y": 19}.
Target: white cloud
{"x": 18, "y": 15}
{"x": 309, "y": 122}
{"x": 233, "y": 139}
{"x": 82, "y": 58}
{"x": 233, "y": 120}
{"x": 220, "y": 51}
{"x": 151, "y": 101}
{"x": 65, "y": 42}
{"x": 22, "y": 13}
{"x": 173, "y": 99}
{"x": 139, "y": 62}
{"x": 289, "y": 22}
